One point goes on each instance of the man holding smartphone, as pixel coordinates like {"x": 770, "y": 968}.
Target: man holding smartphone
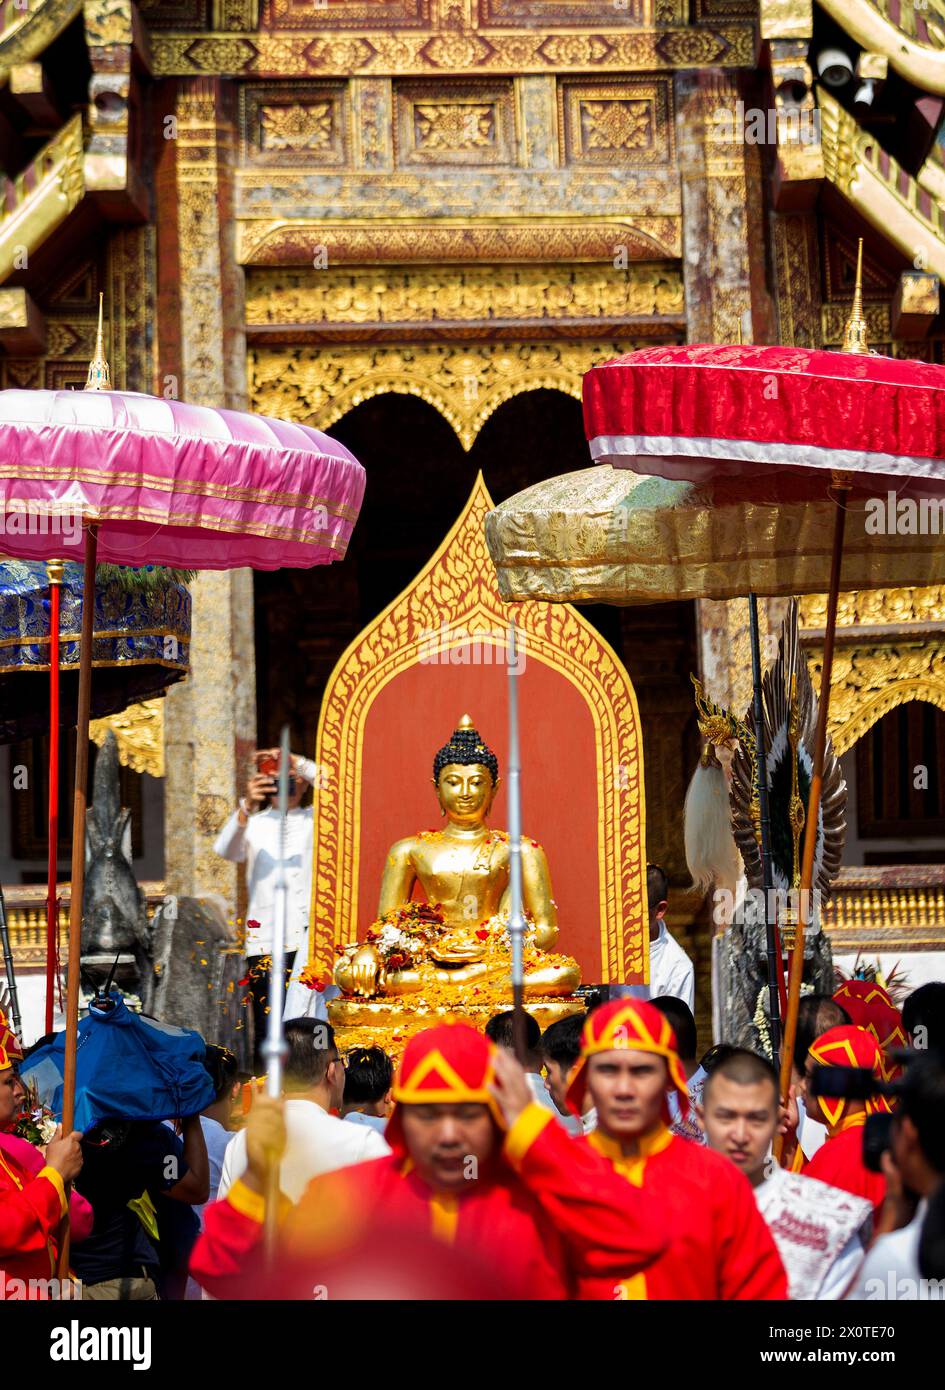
{"x": 251, "y": 837}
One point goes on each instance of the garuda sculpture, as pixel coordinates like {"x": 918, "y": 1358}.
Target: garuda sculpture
{"x": 723, "y": 838}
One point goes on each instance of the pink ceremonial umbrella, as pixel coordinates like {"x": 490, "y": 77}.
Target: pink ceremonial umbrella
{"x": 780, "y": 424}
{"x": 134, "y": 479}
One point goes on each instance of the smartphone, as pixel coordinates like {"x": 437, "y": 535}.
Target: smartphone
{"x": 268, "y": 764}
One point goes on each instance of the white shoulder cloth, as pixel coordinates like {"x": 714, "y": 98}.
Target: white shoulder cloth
{"x": 811, "y": 1223}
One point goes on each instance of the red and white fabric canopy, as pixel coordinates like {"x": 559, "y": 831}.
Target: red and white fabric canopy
{"x": 778, "y": 417}
{"x": 170, "y": 483}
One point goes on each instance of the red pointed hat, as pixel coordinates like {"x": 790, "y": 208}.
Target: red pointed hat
{"x": 848, "y": 1046}
{"x": 451, "y": 1064}
{"x": 627, "y": 1025}
{"x": 870, "y": 1007}
{"x": 10, "y": 1050}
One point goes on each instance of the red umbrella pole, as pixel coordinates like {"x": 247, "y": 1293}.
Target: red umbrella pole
{"x": 77, "y": 886}
{"x": 841, "y": 487}
{"x": 54, "y": 575}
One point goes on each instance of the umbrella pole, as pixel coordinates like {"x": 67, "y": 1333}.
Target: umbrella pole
{"x": 77, "y": 881}
{"x": 764, "y": 831}
{"x": 10, "y": 969}
{"x": 274, "y": 1047}
{"x": 841, "y": 483}
{"x": 516, "y": 918}
{"x": 54, "y": 575}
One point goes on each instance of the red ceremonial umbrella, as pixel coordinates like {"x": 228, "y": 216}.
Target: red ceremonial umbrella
{"x": 784, "y": 424}
{"x": 136, "y": 479}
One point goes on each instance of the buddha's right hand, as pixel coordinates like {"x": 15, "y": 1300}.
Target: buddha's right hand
{"x": 365, "y": 972}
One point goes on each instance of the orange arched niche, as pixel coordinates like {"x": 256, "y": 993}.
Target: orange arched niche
{"x": 439, "y": 651}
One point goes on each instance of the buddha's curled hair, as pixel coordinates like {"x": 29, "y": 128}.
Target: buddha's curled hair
{"x": 466, "y": 748}
{"x": 711, "y": 852}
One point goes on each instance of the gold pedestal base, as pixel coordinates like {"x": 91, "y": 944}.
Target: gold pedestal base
{"x": 390, "y": 1023}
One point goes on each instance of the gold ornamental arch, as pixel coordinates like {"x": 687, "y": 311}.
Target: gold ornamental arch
{"x": 891, "y": 651}
{"x": 466, "y": 383}
{"x": 456, "y": 592}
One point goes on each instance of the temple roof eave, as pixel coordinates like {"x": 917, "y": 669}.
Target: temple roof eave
{"x": 865, "y": 22}
{"x": 879, "y": 189}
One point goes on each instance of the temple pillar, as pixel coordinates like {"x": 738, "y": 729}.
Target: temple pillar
{"x": 725, "y": 298}
{"x": 210, "y": 725}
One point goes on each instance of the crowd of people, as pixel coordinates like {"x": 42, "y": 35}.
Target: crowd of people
{"x": 609, "y": 1161}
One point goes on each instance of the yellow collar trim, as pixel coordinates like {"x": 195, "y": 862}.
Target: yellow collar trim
{"x": 444, "y": 1216}
{"x": 851, "y": 1122}
{"x": 654, "y": 1142}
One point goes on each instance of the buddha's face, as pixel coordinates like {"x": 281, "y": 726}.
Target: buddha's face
{"x": 465, "y": 793}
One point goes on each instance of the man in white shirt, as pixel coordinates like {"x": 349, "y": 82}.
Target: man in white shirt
{"x": 251, "y": 836}
{"x": 671, "y": 969}
{"x": 914, "y": 1166}
{"x": 317, "y": 1141}
{"x": 818, "y": 1229}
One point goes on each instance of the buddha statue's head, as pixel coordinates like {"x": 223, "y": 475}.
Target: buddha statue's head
{"x": 466, "y": 776}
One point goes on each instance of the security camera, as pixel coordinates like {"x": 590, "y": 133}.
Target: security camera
{"x": 834, "y": 67}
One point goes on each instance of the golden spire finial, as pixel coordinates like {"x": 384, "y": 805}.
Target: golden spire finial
{"x": 99, "y": 378}
{"x": 465, "y": 722}
{"x": 854, "y": 335}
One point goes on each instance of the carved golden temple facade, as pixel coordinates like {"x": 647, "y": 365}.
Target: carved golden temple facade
{"x": 320, "y": 209}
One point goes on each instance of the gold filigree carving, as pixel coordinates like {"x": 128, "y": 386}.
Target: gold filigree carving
{"x": 798, "y": 288}
{"x": 449, "y": 126}
{"x": 457, "y": 590}
{"x": 465, "y": 382}
{"x": 628, "y": 121}
{"x": 108, "y": 22}
{"x": 297, "y": 241}
{"x": 139, "y": 731}
{"x": 459, "y": 123}
{"x": 407, "y": 53}
{"x": 834, "y": 317}
{"x": 291, "y": 124}
{"x": 295, "y": 127}
{"x": 615, "y": 125}
{"x": 428, "y": 295}
{"x": 869, "y": 681}
{"x": 876, "y": 608}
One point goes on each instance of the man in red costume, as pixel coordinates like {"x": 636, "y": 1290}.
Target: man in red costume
{"x": 445, "y": 1193}
{"x": 869, "y": 1006}
{"x": 32, "y": 1205}
{"x": 839, "y": 1160}
{"x": 719, "y": 1245}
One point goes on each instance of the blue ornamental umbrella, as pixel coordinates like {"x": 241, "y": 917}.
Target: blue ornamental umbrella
{"x": 127, "y": 1067}
{"x": 140, "y": 646}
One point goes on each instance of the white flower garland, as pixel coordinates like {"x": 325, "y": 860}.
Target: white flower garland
{"x": 760, "y": 1019}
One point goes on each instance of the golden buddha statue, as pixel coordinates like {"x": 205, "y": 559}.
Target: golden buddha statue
{"x": 452, "y": 954}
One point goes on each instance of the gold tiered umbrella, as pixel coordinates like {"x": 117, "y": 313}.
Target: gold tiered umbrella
{"x": 608, "y": 535}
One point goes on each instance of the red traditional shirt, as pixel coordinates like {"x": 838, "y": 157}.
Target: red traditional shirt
{"x": 493, "y": 1223}
{"x": 839, "y": 1162}
{"x": 31, "y": 1208}
{"x": 718, "y": 1245}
